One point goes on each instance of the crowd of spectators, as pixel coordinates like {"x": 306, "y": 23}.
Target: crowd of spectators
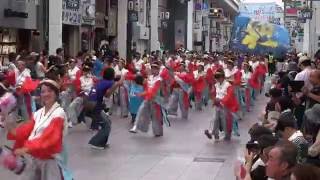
{"x": 285, "y": 143}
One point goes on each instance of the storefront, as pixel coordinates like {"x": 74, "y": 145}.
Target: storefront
{"x": 17, "y": 21}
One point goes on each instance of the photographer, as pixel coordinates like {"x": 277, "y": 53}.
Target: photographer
{"x": 257, "y": 156}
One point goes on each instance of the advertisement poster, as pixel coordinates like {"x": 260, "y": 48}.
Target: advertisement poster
{"x": 259, "y": 37}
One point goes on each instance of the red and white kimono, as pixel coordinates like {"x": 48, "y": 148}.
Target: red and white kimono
{"x": 43, "y": 137}
{"x": 151, "y": 109}
{"x": 180, "y": 94}
{"x": 225, "y": 103}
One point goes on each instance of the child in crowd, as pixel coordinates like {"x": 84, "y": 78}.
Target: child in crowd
{"x": 134, "y": 89}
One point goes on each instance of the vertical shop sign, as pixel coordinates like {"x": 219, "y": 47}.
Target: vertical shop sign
{"x": 71, "y": 14}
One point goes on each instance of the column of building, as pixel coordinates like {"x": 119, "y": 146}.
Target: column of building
{"x": 55, "y": 26}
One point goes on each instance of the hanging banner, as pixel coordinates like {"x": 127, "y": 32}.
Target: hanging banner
{"x": 259, "y": 37}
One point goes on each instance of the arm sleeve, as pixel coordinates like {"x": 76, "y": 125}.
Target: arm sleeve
{"x": 21, "y": 133}
{"x": 51, "y": 137}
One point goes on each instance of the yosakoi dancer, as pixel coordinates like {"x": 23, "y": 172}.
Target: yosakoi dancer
{"x": 152, "y": 108}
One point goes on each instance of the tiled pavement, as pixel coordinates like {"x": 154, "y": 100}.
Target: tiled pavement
{"x": 183, "y": 153}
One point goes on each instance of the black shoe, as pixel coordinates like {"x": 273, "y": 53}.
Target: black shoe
{"x": 206, "y": 132}
{"x": 227, "y": 138}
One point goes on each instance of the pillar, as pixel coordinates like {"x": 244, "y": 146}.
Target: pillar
{"x": 55, "y": 25}
{"x": 122, "y": 27}
{"x": 154, "y": 11}
{"x": 190, "y": 26}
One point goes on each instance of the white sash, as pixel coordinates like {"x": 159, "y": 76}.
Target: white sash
{"x": 43, "y": 120}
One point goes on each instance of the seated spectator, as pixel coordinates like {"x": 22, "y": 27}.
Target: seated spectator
{"x": 305, "y": 172}
{"x": 275, "y": 94}
{"x": 257, "y": 130}
{"x": 311, "y": 129}
{"x": 288, "y": 76}
{"x": 257, "y": 158}
{"x": 282, "y": 158}
{"x": 284, "y": 105}
{"x": 287, "y": 128}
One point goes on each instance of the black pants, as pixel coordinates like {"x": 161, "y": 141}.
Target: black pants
{"x": 133, "y": 116}
{"x": 271, "y": 68}
{"x": 103, "y": 124}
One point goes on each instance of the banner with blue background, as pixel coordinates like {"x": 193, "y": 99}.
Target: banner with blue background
{"x": 259, "y": 37}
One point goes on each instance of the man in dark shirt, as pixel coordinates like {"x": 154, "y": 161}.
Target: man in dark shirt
{"x": 100, "y": 122}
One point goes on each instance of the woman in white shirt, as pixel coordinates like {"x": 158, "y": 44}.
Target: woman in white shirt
{"x": 40, "y": 69}
{"x": 73, "y": 69}
{"x": 245, "y": 88}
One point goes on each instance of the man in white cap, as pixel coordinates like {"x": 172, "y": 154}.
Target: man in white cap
{"x": 304, "y": 75}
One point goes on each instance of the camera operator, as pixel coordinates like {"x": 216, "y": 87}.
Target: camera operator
{"x": 257, "y": 156}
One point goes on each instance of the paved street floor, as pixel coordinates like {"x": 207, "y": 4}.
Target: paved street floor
{"x": 183, "y": 153}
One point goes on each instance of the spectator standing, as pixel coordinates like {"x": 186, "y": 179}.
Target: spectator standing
{"x": 305, "y": 66}
{"x": 313, "y": 96}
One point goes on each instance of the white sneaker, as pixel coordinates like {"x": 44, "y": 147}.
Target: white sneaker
{"x": 133, "y": 129}
{"x": 70, "y": 124}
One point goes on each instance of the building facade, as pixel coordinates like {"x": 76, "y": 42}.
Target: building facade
{"x": 210, "y": 32}
{"x": 18, "y": 20}
{"x": 127, "y": 25}
{"x": 311, "y": 40}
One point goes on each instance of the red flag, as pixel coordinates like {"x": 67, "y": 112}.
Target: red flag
{"x": 130, "y": 76}
{"x": 77, "y": 82}
{"x": 131, "y": 67}
{"x": 10, "y": 77}
{"x": 29, "y": 85}
{"x": 263, "y": 69}
{"x": 237, "y": 78}
{"x": 199, "y": 85}
{"x": 143, "y": 70}
{"x": 165, "y": 74}
{"x": 254, "y": 81}
{"x": 187, "y": 77}
{"x": 192, "y": 67}
{"x": 209, "y": 76}
{"x": 230, "y": 100}
{"x": 152, "y": 91}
